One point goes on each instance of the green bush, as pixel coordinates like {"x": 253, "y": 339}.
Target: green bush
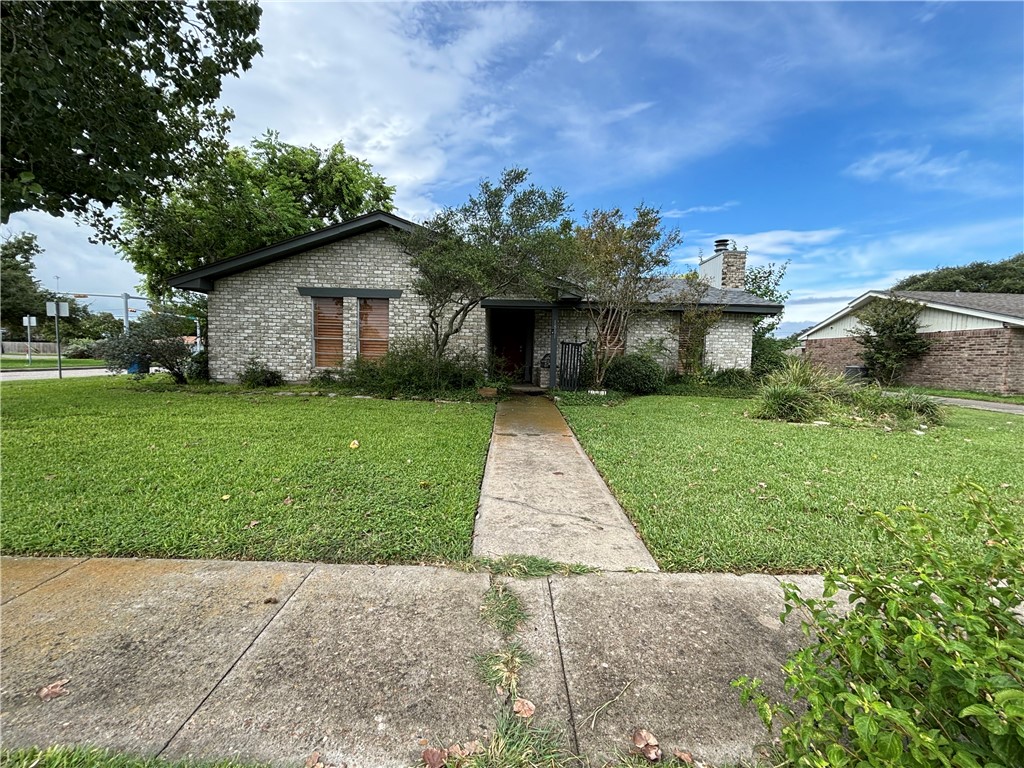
{"x": 197, "y": 369}
{"x": 257, "y": 374}
{"x": 873, "y": 401}
{"x": 926, "y": 668}
{"x": 788, "y": 402}
{"x": 413, "y": 371}
{"x": 799, "y": 392}
{"x": 768, "y": 354}
{"x": 156, "y": 338}
{"x": 78, "y": 349}
{"x": 636, "y": 374}
{"x": 732, "y": 378}
{"x": 324, "y": 377}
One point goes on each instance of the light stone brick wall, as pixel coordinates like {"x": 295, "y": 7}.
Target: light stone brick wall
{"x": 259, "y": 313}
{"x": 728, "y": 342}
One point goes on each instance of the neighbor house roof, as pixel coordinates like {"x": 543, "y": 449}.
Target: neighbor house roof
{"x": 731, "y": 300}
{"x": 202, "y": 278}
{"x": 1001, "y": 307}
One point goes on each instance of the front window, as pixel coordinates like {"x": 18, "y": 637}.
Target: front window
{"x": 373, "y": 328}
{"x": 328, "y": 332}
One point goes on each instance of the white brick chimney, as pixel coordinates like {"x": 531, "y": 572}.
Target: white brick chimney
{"x": 726, "y": 267}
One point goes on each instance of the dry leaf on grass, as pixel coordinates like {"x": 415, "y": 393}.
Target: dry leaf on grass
{"x": 354, "y": 444}
{"x": 225, "y": 497}
{"x": 524, "y": 708}
{"x": 646, "y": 744}
{"x": 288, "y": 501}
{"x": 684, "y": 757}
{"x": 434, "y": 757}
{"x": 54, "y": 690}
{"x": 253, "y": 523}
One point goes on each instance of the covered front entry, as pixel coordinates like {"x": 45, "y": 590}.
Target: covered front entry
{"x": 510, "y": 332}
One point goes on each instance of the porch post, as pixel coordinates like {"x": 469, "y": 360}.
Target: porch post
{"x": 553, "y": 369}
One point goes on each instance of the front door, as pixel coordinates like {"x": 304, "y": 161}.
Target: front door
{"x": 511, "y": 332}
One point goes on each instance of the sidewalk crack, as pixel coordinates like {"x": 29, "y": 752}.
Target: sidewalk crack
{"x": 234, "y": 664}
{"x": 57, "y": 575}
{"x": 565, "y": 678}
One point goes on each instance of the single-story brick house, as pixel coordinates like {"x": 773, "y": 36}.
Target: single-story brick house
{"x": 977, "y": 340}
{"x": 326, "y": 297}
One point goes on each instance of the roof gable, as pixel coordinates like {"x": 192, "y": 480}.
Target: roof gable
{"x": 202, "y": 278}
{"x": 1001, "y": 307}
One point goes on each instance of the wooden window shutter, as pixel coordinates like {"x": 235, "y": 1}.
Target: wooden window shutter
{"x": 328, "y": 332}
{"x": 373, "y": 328}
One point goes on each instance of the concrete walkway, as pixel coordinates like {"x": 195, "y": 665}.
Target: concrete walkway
{"x": 268, "y": 661}
{"x": 542, "y": 496}
{"x": 981, "y": 405}
{"x": 27, "y": 374}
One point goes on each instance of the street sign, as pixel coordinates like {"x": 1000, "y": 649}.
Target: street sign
{"x": 28, "y": 321}
{"x": 53, "y": 307}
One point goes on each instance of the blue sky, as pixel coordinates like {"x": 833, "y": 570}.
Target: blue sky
{"x": 862, "y": 141}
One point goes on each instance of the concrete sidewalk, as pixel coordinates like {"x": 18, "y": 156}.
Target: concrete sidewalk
{"x": 981, "y": 405}
{"x": 542, "y": 496}
{"x": 270, "y": 661}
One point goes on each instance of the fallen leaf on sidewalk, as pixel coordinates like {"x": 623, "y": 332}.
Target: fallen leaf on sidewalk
{"x": 647, "y": 745}
{"x": 313, "y": 759}
{"x": 434, "y": 757}
{"x": 524, "y": 708}
{"x": 684, "y": 757}
{"x": 54, "y": 690}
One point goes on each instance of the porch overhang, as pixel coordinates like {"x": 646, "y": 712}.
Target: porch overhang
{"x": 501, "y": 303}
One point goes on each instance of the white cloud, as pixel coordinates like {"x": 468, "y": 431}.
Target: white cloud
{"x": 584, "y": 58}
{"x": 918, "y": 168}
{"x": 678, "y": 213}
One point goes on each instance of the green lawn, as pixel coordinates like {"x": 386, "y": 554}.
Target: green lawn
{"x": 106, "y": 467}
{"x": 712, "y": 490}
{"x": 20, "y": 363}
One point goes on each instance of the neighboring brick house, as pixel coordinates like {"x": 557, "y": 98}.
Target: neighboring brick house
{"x": 977, "y": 340}
{"x": 346, "y": 291}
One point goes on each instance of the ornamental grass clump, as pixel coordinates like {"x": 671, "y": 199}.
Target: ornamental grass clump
{"x": 927, "y": 666}
{"x": 799, "y": 392}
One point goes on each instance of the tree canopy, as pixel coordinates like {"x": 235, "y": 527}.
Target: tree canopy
{"x": 250, "y": 199}
{"x": 888, "y": 331}
{"x": 21, "y": 294}
{"x": 623, "y": 268}
{"x": 104, "y": 102}
{"x": 509, "y": 238}
{"x": 1006, "y": 276}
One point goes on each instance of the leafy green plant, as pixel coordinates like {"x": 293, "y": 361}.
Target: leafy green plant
{"x": 914, "y": 407}
{"x": 414, "y": 370}
{"x": 888, "y": 332}
{"x": 927, "y": 667}
{"x": 257, "y": 374}
{"x": 635, "y": 373}
{"x": 324, "y": 378}
{"x": 788, "y": 402}
{"x": 155, "y": 338}
{"x": 197, "y": 369}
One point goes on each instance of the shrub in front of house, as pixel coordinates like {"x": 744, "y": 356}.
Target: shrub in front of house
{"x": 257, "y": 374}
{"x": 197, "y": 369}
{"x": 800, "y": 391}
{"x": 925, "y": 666}
{"x": 872, "y": 401}
{"x": 412, "y": 370}
{"x": 635, "y": 373}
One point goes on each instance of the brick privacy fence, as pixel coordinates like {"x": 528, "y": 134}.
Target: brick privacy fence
{"x": 988, "y": 360}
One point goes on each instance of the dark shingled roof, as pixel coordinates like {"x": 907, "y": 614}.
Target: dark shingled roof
{"x": 1010, "y": 304}
{"x": 732, "y": 300}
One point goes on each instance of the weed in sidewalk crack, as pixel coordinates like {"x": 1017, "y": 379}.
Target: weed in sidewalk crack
{"x": 503, "y": 609}
{"x": 500, "y": 670}
{"x": 529, "y": 566}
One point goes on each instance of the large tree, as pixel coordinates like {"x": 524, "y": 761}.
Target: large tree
{"x": 251, "y": 198}
{"x": 104, "y": 102}
{"x": 508, "y": 239}
{"x": 21, "y": 294}
{"x": 1006, "y": 276}
{"x": 623, "y": 268}
{"x": 767, "y": 352}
